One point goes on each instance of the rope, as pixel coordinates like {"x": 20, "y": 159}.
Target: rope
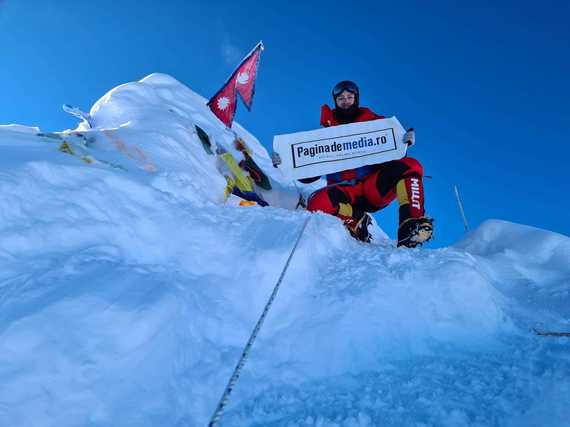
{"x": 237, "y": 371}
{"x": 551, "y": 334}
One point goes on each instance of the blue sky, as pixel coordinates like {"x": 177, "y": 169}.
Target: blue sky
{"x": 485, "y": 85}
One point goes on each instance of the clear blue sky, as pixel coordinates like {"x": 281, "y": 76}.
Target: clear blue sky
{"x": 486, "y": 85}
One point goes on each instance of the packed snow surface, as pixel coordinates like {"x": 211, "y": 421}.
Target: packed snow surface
{"x": 129, "y": 286}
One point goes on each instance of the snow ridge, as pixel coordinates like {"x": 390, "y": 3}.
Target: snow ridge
{"x": 128, "y": 289}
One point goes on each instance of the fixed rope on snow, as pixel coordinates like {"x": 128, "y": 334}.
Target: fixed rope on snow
{"x": 237, "y": 371}
{"x": 551, "y": 333}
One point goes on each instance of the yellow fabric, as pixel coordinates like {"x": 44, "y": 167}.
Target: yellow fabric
{"x": 344, "y": 209}
{"x": 230, "y": 184}
{"x": 66, "y": 148}
{"x": 241, "y": 180}
{"x": 402, "y": 193}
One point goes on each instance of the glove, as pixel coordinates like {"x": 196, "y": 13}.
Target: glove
{"x": 410, "y": 137}
{"x": 275, "y": 159}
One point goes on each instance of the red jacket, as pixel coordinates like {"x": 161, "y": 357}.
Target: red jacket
{"x": 328, "y": 119}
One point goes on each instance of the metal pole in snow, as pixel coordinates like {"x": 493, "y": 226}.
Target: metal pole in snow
{"x": 461, "y": 208}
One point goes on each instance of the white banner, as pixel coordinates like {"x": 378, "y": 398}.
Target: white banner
{"x": 337, "y": 148}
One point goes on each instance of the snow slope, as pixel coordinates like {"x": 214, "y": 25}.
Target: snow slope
{"x": 128, "y": 289}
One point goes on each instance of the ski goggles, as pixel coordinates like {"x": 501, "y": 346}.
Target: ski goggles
{"x": 342, "y": 86}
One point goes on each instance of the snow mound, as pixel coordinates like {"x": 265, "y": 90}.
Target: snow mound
{"x": 128, "y": 289}
{"x": 528, "y": 264}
